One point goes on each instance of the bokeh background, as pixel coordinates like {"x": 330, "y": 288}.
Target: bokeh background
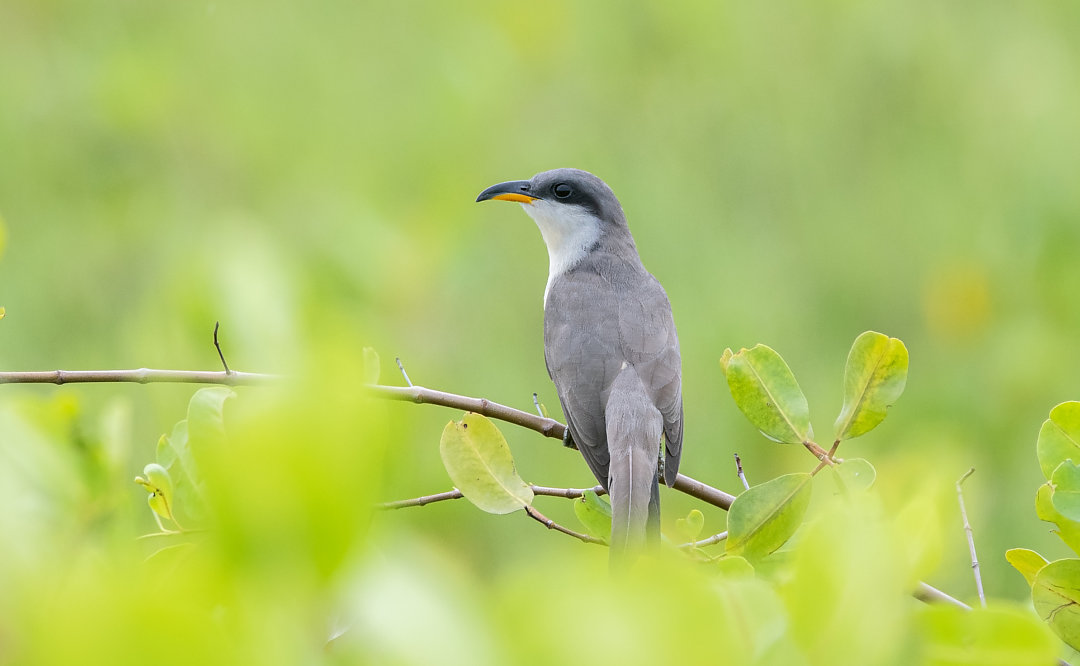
{"x": 794, "y": 173}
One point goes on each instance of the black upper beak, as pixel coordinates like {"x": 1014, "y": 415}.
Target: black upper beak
{"x": 514, "y": 190}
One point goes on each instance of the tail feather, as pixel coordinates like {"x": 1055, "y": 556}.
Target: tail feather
{"x": 634, "y": 426}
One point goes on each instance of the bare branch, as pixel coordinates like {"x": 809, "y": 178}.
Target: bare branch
{"x": 970, "y": 536}
{"x": 421, "y": 501}
{"x": 931, "y": 595}
{"x": 552, "y": 525}
{"x": 568, "y": 493}
{"x": 218, "y": 347}
{"x": 139, "y": 376}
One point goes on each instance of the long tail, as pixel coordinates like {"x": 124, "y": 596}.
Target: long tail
{"x": 634, "y": 426}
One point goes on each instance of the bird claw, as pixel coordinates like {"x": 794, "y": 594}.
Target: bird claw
{"x": 568, "y": 440}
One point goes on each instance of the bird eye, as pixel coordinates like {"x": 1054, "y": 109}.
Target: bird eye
{"x": 562, "y": 190}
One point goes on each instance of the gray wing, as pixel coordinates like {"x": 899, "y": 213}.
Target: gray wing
{"x": 651, "y": 345}
{"x": 581, "y": 351}
{"x": 587, "y": 338}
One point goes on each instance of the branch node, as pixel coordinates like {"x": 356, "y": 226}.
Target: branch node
{"x": 970, "y": 536}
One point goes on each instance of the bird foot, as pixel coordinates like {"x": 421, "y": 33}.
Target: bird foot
{"x": 568, "y": 440}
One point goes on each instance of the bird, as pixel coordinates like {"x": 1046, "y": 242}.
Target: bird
{"x": 610, "y": 346}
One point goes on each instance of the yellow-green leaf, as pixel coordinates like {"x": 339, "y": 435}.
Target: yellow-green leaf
{"x": 1059, "y": 437}
{"x": 765, "y": 390}
{"x": 1066, "y": 495}
{"x": 1027, "y": 562}
{"x": 874, "y": 378}
{"x": 479, "y": 463}
{"x": 1056, "y": 596}
{"x": 691, "y": 526}
{"x": 762, "y": 518}
{"x": 594, "y": 514}
{"x": 1068, "y": 530}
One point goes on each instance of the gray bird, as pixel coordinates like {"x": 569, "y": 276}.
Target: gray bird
{"x": 609, "y": 343}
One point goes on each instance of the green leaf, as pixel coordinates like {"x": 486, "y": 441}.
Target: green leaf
{"x": 854, "y": 475}
{"x": 206, "y": 418}
{"x": 691, "y": 526}
{"x": 874, "y": 378}
{"x": 1068, "y": 530}
{"x": 999, "y": 635}
{"x": 479, "y": 463}
{"x": 158, "y": 483}
{"x": 594, "y": 514}
{"x": 766, "y": 391}
{"x": 1027, "y": 562}
{"x": 1066, "y": 495}
{"x": 1056, "y": 595}
{"x": 761, "y": 519}
{"x": 1059, "y": 437}
{"x": 371, "y": 366}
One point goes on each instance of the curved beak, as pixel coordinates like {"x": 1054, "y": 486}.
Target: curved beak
{"x": 514, "y": 190}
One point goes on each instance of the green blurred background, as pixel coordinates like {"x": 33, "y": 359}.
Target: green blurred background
{"x": 794, "y": 173}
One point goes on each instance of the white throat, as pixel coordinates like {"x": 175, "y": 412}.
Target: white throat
{"x": 569, "y": 233}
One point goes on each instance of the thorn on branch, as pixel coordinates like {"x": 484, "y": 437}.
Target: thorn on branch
{"x": 404, "y": 374}
{"x": 218, "y": 348}
{"x": 536, "y": 403}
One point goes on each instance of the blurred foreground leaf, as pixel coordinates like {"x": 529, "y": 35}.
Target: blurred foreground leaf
{"x": 206, "y": 419}
{"x": 765, "y": 389}
{"x": 1056, "y": 595}
{"x": 481, "y": 466}
{"x": 996, "y": 635}
{"x": 854, "y": 475}
{"x": 371, "y": 366}
{"x": 1027, "y": 562}
{"x": 594, "y": 514}
{"x": 1059, "y": 437}
{"x": 762, "y": 518}
{"x": 874, "y": 378}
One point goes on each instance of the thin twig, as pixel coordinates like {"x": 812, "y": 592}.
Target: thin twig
{"x": 739, "y": 471}
{"x": 404, "y": 374}
{"x": 970, "y": 536}
{"x": 552, "y": 525}
{"x": 716, "y": 538}
{"x": 536, "y": 403}
{"x": 218, "y": 347}
{"x": 568, "y": 493}
{"x": 931, "y": 595}
{"x": 421, "y": 501}
{"x": 138, "y": 376}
